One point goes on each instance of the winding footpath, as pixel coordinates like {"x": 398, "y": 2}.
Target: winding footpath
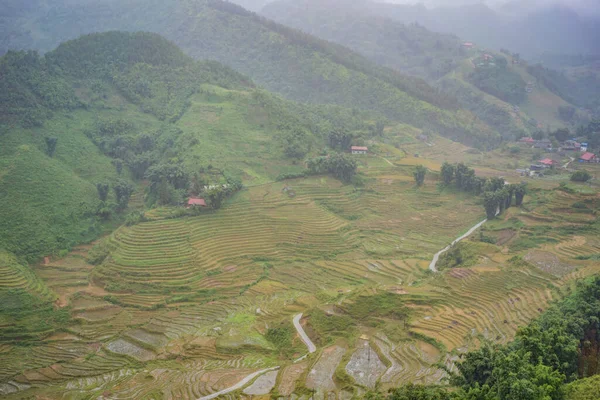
{"x": 311, "y": 349}
{"x": 238, "y": 385}
{"x": 436, "y": 257}
{"x": 311, "y": 346}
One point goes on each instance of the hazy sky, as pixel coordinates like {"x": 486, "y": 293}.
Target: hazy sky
{"x": 583, "y": 6}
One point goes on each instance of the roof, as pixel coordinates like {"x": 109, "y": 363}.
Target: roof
{"x": 359, "y": 148}
{"x": 193, "y": 201}
{"x": 547, "y": 161}
{"x": 587, "y": 156}
{"x": 527, "y": 139}
{"x": 467, "y": 44}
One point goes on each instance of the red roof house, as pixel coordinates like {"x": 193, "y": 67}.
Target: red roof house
{"x": 468, "y": 44}
{"x": 548, "y": 162}
{"x": 588, "y": 157}
{"x": 359, "y": 150}
{"x": 194, "y": 201}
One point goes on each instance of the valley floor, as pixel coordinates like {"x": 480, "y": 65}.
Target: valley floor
{"x": 187, "y": 308}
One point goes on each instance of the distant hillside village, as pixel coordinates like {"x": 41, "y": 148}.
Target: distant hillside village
{"x": 568, "y": 146}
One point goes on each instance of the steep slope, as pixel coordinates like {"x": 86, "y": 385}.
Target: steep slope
{"x": 412, "y": 49}
{"x": 409, "y": 48}
{"x": 296, "y": 65}
{"x": 106, "y": 107}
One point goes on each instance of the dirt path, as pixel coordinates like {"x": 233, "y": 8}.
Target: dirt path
{"x": 436, "y": 257}
{"x": 311, "y": 346}
{"x": 238, "y": 385}
{"x": 566, "y": 166}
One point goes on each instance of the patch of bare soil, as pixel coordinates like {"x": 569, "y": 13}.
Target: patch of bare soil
{"x": 121, "y": 346}
{"x": 290, "y": 376}
{"x": 365, "y": 366}
{"x": 321, "y": 376}
{"x": 263, "y": 384}
{"x": 548, "y": 262}
{"x": 505, "y": 236}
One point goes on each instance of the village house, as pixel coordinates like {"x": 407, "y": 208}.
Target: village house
{"x": 468, "y": 45}
{"x": 571, "y": 145}
{"x": 583, "y": 147}
{"x": 543, "y": 144}
{"x": 588, "y": 158}
{"x": 196, "y": 202}
{"x": 548, "y": 163}
{"x": 527, "y": 141}
{"x": 359, "y": 150}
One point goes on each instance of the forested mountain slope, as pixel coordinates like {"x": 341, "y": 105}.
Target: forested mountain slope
{"x": 108, "y": 108}
{"x": 296, "y": 65}
{"x": 410, "y": 48}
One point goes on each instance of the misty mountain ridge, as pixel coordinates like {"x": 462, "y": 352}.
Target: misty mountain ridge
{"x": 521, "y": 27}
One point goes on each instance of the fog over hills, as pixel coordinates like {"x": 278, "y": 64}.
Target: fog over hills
{"x": 531, "y": 28}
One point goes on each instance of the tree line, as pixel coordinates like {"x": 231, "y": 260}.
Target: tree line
{"x": 497, "y": 195}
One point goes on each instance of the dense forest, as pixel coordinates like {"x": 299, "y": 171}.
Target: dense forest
{"x": 283, "y": 60}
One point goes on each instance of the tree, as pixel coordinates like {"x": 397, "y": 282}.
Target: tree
{"x": 51, "y": 145}
{"x": 419, "y": 175}
{"x": 581, "y": 176}
{"x": 566, "y": 113}
{"x": 123, "y": 191}
{"x": 520, "y": 192}
{"x": 215, "y": 196}
{"x": 501, "y": 196}
{"x": 510, "y": 189}
{"x": 562, "y": 134}
{"x": 102, "y": 189}
{"x": 490, "y": 203}
{"x": 447, "y": 173}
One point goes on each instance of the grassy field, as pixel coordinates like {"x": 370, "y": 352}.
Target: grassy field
{"x": 185, "y": 307}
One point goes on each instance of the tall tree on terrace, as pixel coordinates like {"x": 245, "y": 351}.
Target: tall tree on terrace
{"x": 447, "y": 173}
{"x": 419, "y": 175}
{"x": 490, "y": 202}
{"x": 520, "y": 192}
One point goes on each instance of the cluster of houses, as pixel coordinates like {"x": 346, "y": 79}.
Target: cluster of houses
{"x": 546, "y": 145}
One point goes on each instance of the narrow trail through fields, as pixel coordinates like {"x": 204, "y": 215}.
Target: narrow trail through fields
{"x": 436, "y": 257}
{"x": 238, "y": 385}
{"x": 311, "y": 346}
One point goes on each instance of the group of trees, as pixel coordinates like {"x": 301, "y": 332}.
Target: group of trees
{"x": 123, "y": 191}
{"x": 339, "y": 165}
{"x": 557, "y": 348}
{"x": 498, "y": 80}
{"x": 497, "y": 195}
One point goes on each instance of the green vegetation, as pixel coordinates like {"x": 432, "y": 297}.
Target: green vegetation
{"x": 323, "y": 73}
{"x": 581, "y": 176}
{"x": 460, "y": 255}
{"x": 419, "y": 175}
{"x": 494, "y": 77}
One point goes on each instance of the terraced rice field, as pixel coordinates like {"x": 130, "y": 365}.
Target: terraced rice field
{"x": 182, "y": 308}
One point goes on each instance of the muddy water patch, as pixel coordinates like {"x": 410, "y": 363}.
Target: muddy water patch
{"x": 321, "y": 376}
{"x": 365, "y": 366}
{"x": 122, "y": 346}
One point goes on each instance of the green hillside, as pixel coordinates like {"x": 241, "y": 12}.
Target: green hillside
{"x": 117, "y": 105}
{"x": 489, "y": 84}
{"x": 299, "y": 66}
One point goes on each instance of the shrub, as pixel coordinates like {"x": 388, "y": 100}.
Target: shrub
{"x": 581, "y": 176}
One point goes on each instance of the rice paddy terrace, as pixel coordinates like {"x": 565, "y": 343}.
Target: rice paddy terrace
{"x": 183, "y": 308}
